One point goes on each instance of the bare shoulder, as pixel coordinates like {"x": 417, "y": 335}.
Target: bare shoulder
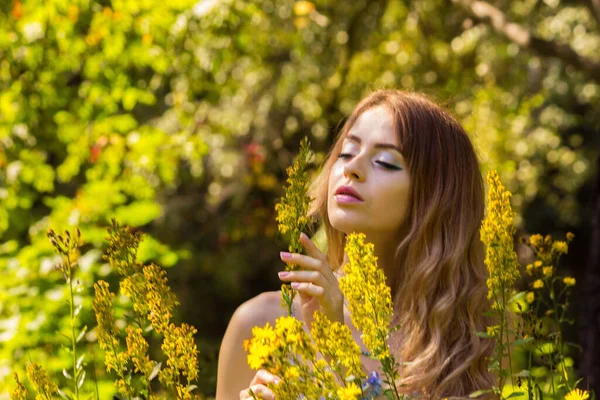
{"x": 234, "y": 373}
{"x": 263, "y": 308}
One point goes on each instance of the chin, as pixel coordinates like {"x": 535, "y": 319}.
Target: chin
{"x": 345, "y": 226}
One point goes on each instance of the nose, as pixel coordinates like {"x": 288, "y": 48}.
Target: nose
{"x": 352, "y": 169}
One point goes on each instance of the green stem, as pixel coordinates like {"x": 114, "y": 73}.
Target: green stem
{"x": 558, "y": 329}
{"x": 94, "y": 372}
{"x": 70, "y": 272}
{"x": 507, "y": 337}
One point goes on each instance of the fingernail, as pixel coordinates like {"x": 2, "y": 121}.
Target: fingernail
{"x": 302, "y": 234}
{"x": 283, "y": 274}
{"x": 295, "y": 285}
{"x": 276, "y": 381}
{"x": 285, "y": 255}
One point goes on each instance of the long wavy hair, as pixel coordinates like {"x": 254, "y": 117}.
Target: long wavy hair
{"x": 440, "y": 293}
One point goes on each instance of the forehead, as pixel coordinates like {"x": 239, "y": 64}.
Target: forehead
{"x": 375, "y": 124}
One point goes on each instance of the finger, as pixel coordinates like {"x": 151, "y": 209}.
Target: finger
{"x": 263, "y": 376}
{"x": 312, "y": 248}
{"x": 309, "y": 289}
{"x": 315, "y": 277}
{"x": 307, "y": 262}
{"x": 259, "y": 390}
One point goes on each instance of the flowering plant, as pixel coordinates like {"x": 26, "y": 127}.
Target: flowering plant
{"x": 152, "y": 305}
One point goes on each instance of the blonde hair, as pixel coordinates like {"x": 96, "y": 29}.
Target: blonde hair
{"x": 440, "y": 293}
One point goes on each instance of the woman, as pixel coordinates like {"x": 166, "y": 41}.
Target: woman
{"x": 403, "y": 172}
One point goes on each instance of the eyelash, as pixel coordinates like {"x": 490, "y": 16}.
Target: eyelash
{"x": 382, "y": 163}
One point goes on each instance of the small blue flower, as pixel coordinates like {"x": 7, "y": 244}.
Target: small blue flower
{"x": 372, "y": 387}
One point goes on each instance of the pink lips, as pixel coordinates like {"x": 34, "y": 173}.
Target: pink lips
{"x": 347, "y": 195}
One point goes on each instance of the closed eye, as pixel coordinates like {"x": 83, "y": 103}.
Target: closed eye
{"x": 382, "y": 163}
{"x": 388, "y": 166}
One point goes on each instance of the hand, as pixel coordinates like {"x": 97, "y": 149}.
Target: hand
{"x": 259, "y": 386}
{"x": 317, "y": 285}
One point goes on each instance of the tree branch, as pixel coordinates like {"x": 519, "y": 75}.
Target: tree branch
{"x": 520, "y": 35}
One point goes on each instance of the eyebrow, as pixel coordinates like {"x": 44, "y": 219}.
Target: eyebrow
{"x": 377, "y": 145}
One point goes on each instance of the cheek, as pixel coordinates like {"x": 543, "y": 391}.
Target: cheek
{"x": 393, "y": 200}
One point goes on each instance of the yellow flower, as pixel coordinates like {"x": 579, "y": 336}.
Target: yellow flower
{"x": 137, "y": 347}
{"x": 537, "y": 264}
{"x": 560, "y": 247}
{"x": 497, "y": 232}
{"x": 493, "y": 330}
{"x": 180, "y": 348}
{"x": 261, "y": 347}
{"x": 334, "y": 340}
{"x": 530, "y": 297}
{"x": 123, "y": 243}
{"x": 292, "y": 210}
{"x": 547, "y": 271}
{"x": 292, "y": 373}
{"x": 570, "y": 236}
{"x": 577, "y": 394}
{"x": 538, "y": 284}
{"x": 369, "y": 297}
{"x": 569, "y": 281}
{"x": 45, "y": 388}
{"x": 350, "y": 392}
{"x": 536, "y": 240}
{"x": 19, "y": 392}
{"x": 159, "y": 299}
{"x": 107, "y": 331}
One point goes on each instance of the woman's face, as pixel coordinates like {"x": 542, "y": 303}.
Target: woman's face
{"x": 371, "y": 164}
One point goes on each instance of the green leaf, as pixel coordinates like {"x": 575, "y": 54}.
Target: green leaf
{"x": 523, "y": 341}
{"x": 515, "y": 394}
{"x": 79, "y": 361}
{"x": 80, "y": 380}
{"x": 81, "y": 334}
{"x": 523, "y": 373}
{"x": 64, "y": 395}
{"x": 155, "y": 371}
{"x": 77, "y": 310}
{"x": 478, "y": 393}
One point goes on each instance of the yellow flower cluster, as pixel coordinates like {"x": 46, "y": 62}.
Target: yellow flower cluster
{"x": 159, "y": 299}
{"x": 45, "y": 388}
{"x": 108, "y": 337}
{"x": 569, "y": 281}
{"x": 182, "y": 354}
{"x": 369, "y": 297}
{"x": 538, "y": 284}
{"x": 153, "y": 301}
{"x": 577, "y": 394}
{"x": 123, "y": 243}
{"x": 286, "y": 350}
{"x": 530, "y": 297}
{"x": 293, "y": 209}
{"x": 350, "y": 392}
{"x": 19, "y": 392}
{"x": 547, "y": 252}
{"x": 335, "y": 341}
{"x": 107, "y": 331}
{"x": 292, "y": 213}
{"x": 137, "y": 347}
{"x": 68, "y": 247}
{"x": 497, "y": 233}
